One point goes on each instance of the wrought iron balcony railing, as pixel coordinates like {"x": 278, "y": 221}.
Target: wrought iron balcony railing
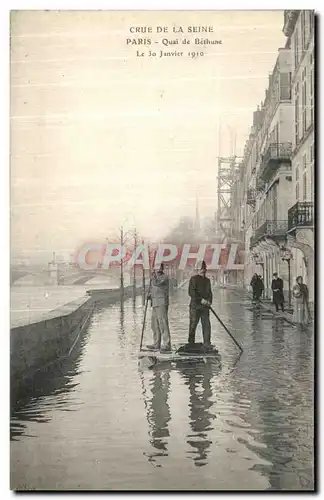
{"x": 275, "y": 229}
{"x": 275, "y": 155}
{"x": 253, "y": 242}
{"x": 301, "y": 215}
{"x": 272, "y": 228}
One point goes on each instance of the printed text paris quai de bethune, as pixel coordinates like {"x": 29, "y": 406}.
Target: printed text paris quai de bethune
{"x": 171, "y": 41}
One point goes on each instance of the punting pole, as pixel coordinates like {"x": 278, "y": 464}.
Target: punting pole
{"x": 226, "y": 329}
{"x": 144, "y": 320}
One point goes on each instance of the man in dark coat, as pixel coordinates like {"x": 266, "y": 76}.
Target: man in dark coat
{"x": 201, "y": 298}
{"x": 259, "y": 287}
{"x": 277, "y": 290}
{"x": 253, "y": 285}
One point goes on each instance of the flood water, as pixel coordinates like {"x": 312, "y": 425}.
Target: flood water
{"x": 99, "y": 421}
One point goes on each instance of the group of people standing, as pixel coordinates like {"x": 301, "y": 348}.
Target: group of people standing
{"x": 257, "y": 287}
{"x": 301, "y": 311}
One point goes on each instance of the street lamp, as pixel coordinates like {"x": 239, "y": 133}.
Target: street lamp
{"x": 258, "y": 261}
{"x": 287, "y": 256}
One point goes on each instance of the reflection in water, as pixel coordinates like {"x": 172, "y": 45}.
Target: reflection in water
{"x": 122, "y": 317}
{"x": 263, "y": 434}
{"x": 134, "y": 301}
{"x": 278, "y": 337}
{"x": 30, "y": 402}
{"x": 198, "y": 378}
{"x": 305, "y": 355}
{"x": 281, "y": 415}
{"x": 158, "y": 412}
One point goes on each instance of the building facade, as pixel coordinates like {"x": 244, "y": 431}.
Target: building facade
{"x": 275, "y": 202}
{"x": 268, "y": 177}
{"x": 299, "y": 27}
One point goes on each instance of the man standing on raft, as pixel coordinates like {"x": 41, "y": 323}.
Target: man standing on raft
{"x": 201, "y": 298}
{"x": 160, "y": 305}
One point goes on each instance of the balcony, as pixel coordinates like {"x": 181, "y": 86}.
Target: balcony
{"x": 275, "y": 155}
{"x": 274, "y": 229}
{"x": 301, "y": 215}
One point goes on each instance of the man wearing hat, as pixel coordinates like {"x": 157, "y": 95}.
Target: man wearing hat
{"x": 160, "y": 305}
{"x": 277, "y": 291}
{"x": 201, "y": 298}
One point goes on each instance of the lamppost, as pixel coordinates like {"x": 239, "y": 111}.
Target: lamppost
{"x": 287, "y": 256}
{"x": 259, "y": 262}
{"x": 257, "y": 258}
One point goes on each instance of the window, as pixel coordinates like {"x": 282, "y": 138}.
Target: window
{"x": 303, "y": 30}
{"x": 311, "y": 87}
{"x": 297, "y": 173}
{"x": 311, "y": 22}
{"x": 311, "y": 153}
{"x": 297, "y": 114}
{"x": 311, "y": 93}
{"x": 304, "y": 101}
{"x": 296, "y": 48}
{"x": 305, "y": 186}
{"x": 304, "y": 162}
{"x": 285, "y": 86}
{"x": 275, "y": 202}
{"x": 297, "y": 191}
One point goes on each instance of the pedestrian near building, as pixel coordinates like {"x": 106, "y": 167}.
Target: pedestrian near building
{"x": 201, "y": 298}
{"x": 300, "y": 293}
{"x": 252, "y": 285}
{"x": 277, "y": 290}
{"x": 160, "y": 305}
{"x": 257, "y": 287}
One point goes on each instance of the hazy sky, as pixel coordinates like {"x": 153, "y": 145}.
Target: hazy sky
{"x": 100, "y": 137}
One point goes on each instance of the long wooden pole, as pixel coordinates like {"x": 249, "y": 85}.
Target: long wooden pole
{"x": 226, "y": 329}
{"x": 145, "y": 312}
